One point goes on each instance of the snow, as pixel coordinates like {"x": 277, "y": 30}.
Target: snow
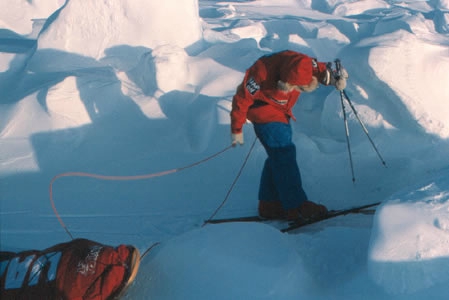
{"x": 408, "y": 253}
{"x": 20, "y": 16}
{"x": 207, "y": 267}
{"x": 126, "y": 88}
{"x": 120, "y": 23}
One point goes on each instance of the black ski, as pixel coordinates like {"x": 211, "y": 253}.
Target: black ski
{"x": 330, "y": 215}
{"x": 294, "y": 225}
{"x": 236, "y": 219}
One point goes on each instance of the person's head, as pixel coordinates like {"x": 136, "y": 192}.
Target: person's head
{"x": 297, "y": 73}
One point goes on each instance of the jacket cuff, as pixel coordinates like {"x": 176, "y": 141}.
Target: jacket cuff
{"x": 236, "y": 130}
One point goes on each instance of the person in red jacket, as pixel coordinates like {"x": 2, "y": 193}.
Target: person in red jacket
{"x": 266, "y": 96}
{"x": 77, "y": 270}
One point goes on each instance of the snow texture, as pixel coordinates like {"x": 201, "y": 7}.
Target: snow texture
{"x": 129, "y": 88}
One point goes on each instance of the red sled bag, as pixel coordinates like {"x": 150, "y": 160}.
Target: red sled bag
{"x": 78, "y": 270}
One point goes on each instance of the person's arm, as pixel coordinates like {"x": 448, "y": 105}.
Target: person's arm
{"x": 327, "y": 77}
{"x": 241, "y": 102}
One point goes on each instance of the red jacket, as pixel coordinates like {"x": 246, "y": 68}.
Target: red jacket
{"x": 258, "y": 99}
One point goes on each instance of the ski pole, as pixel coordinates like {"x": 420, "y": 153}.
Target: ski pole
{"x": 345, "y": 119}
{"x": 364, "y": 127}
{"x": 344, "y": 95}
{"x": 347, "y": 135}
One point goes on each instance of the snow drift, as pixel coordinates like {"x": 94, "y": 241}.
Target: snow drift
{"x": 145, "y": 87}
{"x": 238, "y": 261}
{"x": 121, "y": 23}
{"x": 409, "y": 242}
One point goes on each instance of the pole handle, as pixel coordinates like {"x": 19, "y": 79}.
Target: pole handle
{"x": 338, "y": 68}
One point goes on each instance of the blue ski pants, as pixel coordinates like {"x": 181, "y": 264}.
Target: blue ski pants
{"x": 280, "y": 179}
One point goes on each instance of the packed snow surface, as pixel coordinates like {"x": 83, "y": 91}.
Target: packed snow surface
{"x": 139, "y": 93}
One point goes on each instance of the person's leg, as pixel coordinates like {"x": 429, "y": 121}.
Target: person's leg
{"x": 267, "y": 188}
{"x": 281, "y": 172}
{"x": 269, "y": 204}
{"x": 285, "y": 175}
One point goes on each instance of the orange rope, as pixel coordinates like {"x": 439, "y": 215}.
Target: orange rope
{"x": 118, "y": 178}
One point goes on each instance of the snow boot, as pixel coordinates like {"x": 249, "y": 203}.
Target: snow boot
{"x": 271, "y": 210}
{"x": 308, "y": 210}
